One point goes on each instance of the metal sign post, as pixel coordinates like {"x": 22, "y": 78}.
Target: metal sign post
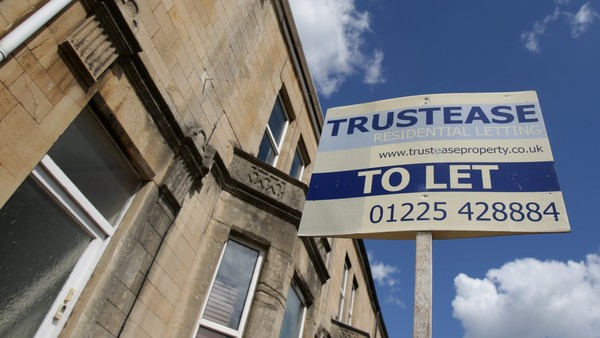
{"x": 423, "y": 286}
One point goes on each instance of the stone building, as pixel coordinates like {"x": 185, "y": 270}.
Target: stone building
{"x": 154, "y": 157}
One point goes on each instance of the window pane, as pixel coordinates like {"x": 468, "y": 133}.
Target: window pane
{"x": 206, "y": 333}
{"x": 230, "y": 289}
{"x": 292, "y": 318}
{"x": 266, "y": 153}
{"x": 91, "y": 160}
{"x": 277, "y": 121}
{"x": 39, "y": 247}
{"x": 297, "y": 165}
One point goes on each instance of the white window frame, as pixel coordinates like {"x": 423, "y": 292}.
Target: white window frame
{"x": 277, "y": 147}
{"x": 56, "y": 183}
{"x": 343, "y": 290}
{"x": 249, "y": 298}
{"x": 352, "y": 295}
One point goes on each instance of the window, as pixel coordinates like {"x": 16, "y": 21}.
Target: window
{"x": 55, "y": 227}
{"x": 300, "y": 161}
{"x": 298, "y": 165}
{"x": 293, "y": 318}
{"x": 272, "y": 141}
{"x": 343, "y": 289}
{"x": 231, "y": 293}
{"x": 352, "y": 295}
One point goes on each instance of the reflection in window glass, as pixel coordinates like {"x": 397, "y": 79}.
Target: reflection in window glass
{"x": 230, "y": 289}
{"x": 277, "y": 121}
{"x": 266, "y": 152}
{"x": 298, "y": 165}
{"x": 292, "y": 318}
{"x": 90, "y": 159}
{"x": 39, "y": 247}
{"x": 270, "y": 145}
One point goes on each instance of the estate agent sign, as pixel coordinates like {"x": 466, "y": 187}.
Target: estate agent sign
{"x": 456, "y": 165}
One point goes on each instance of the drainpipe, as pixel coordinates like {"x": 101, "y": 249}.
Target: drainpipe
{"x": 26, "y": 29}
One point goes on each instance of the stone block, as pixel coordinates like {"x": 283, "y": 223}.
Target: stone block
{"x": 163, "y": 47}
{"x": 153, "y": 325}
{"x": 184, "y": 63}
{"x": 43, "y": 81}
{"x": 16, "y": 128}
{"x": 70, "y": 18}
{"x": 160, "y": 219}
{"x": 132, "y": 330}
{"x": 88, "y": 328}
{"x": 7, "y": 101}
{"x": 161, "y": 280}
{"x": 13, "y": 12}
{"x": 61, "y": 75}
{"x": 156, "y": 302}
{"x": 110, "y": 318}
{"x": 31, "y": 97}
{"x": 44, "y": 47}
{"x": 266, "y": 316}
{"x": 181, "y": 248}
{"x": 170, "y": 263}
{"x": 176, "y": 95}
{"x": 149, "y": 239}
{"x": 278, "y": 271}
{"x": 148, "y": 22}
{"x": 10, "y": 70}
{"x": 136, "y": 260}
{"x": 121, "y": 296}
{"x": 137, "y": 316}
{"x": 178, "y": 22}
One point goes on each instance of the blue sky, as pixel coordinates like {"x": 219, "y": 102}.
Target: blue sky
{"x": 514, "y": 286}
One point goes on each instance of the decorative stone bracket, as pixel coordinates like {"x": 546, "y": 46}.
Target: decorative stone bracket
{"x": 90, "y": 50}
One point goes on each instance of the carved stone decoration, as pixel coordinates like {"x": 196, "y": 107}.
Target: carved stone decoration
{"x": 90, "y": 50}
{"x": 131, "y": 12}
{"x": 251, "y": 175}
{"x": 341, "y": 330}
{"x": 267, "y": 183}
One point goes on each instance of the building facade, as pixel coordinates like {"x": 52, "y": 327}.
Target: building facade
{"x": 154, "y": 161}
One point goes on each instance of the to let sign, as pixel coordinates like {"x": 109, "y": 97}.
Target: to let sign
{"x": 458, "y": 165}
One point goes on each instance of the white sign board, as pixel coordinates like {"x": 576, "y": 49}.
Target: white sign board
{"x": 459, "y": 165}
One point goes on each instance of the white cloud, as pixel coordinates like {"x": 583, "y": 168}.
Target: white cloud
{"x": 333, "y": 34}
{"x": 531, "y": 38}
{"x": 373, "y": 73}
{"x": 580, "y": 22}
{"x": 383, "y": 273}
{"x": 529, "y": 298}
{"x": 388, "y": 283}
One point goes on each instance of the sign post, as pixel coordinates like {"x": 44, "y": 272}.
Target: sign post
{"x": 422, "y": 323}
{"x": 437, "y": 166}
